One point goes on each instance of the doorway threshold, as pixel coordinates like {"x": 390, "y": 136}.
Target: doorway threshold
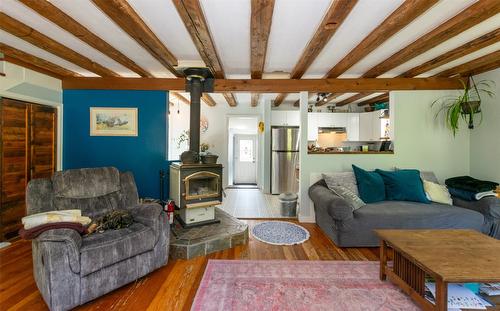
{"x": 242, "y": 186}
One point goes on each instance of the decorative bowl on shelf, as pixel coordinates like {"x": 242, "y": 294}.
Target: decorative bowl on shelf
{"x": 209, "y": 158}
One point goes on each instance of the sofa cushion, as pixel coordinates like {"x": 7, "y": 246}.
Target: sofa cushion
{"x": 370, "y": 185}
{"x": 413, "y": 215}
{"x": 86, "y": 182}
{"x": 349, "y": 196}
{"x": 344, "y": 179}
{"x": 100, "y": 250}
{"x": 403, "y": 185}
{"x": 437, "y": 193}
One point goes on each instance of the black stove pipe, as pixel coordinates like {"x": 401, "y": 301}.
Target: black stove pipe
{"x": 194, "y": 114}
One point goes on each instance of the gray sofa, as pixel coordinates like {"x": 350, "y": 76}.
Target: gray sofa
{"x": 69, "y": 269}
{"x": 348, "y": 228}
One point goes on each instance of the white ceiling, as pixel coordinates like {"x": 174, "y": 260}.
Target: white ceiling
{"x": 294, "y": 23}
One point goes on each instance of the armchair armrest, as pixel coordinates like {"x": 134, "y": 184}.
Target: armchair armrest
{"x": 151, "y": 215}
{"x": 64, "y": 240}
{"x": 488, "y": 206}
{"x": 338, "y": 208}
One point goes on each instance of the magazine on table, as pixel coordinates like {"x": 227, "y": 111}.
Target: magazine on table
{"x": 458, "y": 297}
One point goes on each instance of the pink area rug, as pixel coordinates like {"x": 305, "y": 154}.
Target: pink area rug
{"x": 297, "y": 285}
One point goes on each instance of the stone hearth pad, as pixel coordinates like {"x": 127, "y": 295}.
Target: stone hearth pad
{"x": 187, "y": 243}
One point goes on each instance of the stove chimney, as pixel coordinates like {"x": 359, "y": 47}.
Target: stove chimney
{"x": 199, "y": 80}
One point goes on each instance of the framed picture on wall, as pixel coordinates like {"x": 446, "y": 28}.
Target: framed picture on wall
{"x": 107, "y": 121}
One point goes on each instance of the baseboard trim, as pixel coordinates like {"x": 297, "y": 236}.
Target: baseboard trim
{"x": 307, "y": 219}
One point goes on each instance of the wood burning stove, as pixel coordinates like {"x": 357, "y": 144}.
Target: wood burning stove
{"x": 196, "y": 189}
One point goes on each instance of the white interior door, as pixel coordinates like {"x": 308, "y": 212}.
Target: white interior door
{"x": 245, "y": 153}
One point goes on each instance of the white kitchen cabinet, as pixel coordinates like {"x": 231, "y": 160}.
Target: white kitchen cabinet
{"x": 352, "y": 126}
{"x": 285, "y": 118}
{"x": 369, "y": 126}
{"x": 312, "y": 126}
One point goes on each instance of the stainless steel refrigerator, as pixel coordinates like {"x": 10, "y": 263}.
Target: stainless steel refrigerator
{"x": 284, "y": 159}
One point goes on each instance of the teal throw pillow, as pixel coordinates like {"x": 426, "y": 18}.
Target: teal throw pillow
{"x": 371, "y": 186}
{"x": 403, "y": 185}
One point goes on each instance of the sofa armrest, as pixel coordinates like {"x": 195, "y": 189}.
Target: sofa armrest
{"x": 68, "y": 240}
{"x": 488, "y": 206}
{"x": 324, "y": 198}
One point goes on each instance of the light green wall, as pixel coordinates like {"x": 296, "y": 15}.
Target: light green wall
{"x": 485, "y": 139}
{"x": 420, "y": 142}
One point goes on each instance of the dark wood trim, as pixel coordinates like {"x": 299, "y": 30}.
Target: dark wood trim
{"x": 469, "y": 17}
{"x": 376, "y": 99}
{"x": 32, "y": 62}
{"x": 66, "y": 22}
{"x": 467, "y": 48}
{"x": 32, "y": 67}
{"x": 334, "y": 17}
{"x": 127, "y": 19}
{"x": 400, "y": 18}
{"x": 269, "y": 85}
{"x": 192, "y": 15}
{"x": 260, "y": 28}
{"x": 469, "y": 67}
{"x": 40, "y": 40}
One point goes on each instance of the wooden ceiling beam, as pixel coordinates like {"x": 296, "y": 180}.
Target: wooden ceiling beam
{"x": 260, "y": 28}
{"x": 469, "y": 17}
{"x": 205, "y": 98}
{"x": 334, "y": 17}
{"x": 192, "y": 15}
{"x": 208, "y": 100}
{"x": 400, "y": 18}
{"x": 66, "y": 22}
{"x": 470, "y": 66}
{"x": 41, "y": 41}
{"x": 270, "y": 85}
{"x": 127, "y": 19}
{"x": 352, "y": 99}
{"x": 467, "y": 48}
{"x": 329, "y": 98}
{"x": 381, "y": 98}
{"x": 35, "y": 63}
{"x": 181, "y": 98}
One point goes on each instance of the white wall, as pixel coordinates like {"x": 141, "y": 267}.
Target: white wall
{"x": 420, "y": 142}
{"x": 27, "y": 85}
{"x": 485, "y": 138}
{"x": 217, "y": 135}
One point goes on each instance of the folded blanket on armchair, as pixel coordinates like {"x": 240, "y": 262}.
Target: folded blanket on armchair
{"x": 73, "y": 215}
{"x": 469, "y": 195}
{"x": 470, "y": 184}
{"x": 30, "y": 234}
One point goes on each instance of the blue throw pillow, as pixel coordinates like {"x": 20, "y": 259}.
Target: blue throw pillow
{"x": 403, "y": 185}
{"x": 371, "y": 186}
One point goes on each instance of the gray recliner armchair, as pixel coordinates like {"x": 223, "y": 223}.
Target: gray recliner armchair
{"x": 69, "y": 269}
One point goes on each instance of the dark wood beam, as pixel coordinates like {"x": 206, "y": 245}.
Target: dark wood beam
{"x": 478, "y": 70}
{"x": 30, "y": 66}
{"x": 192, "y": 15}
{"x": 381, "y": 98}
{"x": 181, "y": 98}
{"x": 254, "y": 102}
{"x": 40, "y": 40}
{"x": 467, "y": 48}
{"x": 127, "y": 19}
{"x": 334, "y": 17}
{"x": 352, "y": 99}
{"x": 270, "y": 85}
{"x": 471, "y": 66}
{"x": 469, "y": 17}
{"x": 400, "y": 18}
{"x": 66, "y": 22}
{"x": 208, "y": 100}
{"x": 260, "y": 28}
{"x": 205, "y": 98}
{"x": 32, "y": 62}
{"x": 329, "y": 98}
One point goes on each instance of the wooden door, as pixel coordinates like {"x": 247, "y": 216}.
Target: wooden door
{"x": 43, "y": 129}
{"x": 14, "y": 165}
{"x": 28, "y": 150}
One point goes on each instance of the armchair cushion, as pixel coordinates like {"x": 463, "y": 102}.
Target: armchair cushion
{"x": 72, "y": 242}
{"x": 100, "y": 250}
{"x": 323, "y": 198}
{"x": 86, "y": 182}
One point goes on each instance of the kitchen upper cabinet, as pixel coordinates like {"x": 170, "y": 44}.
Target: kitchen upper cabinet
{"x": 369, "y": 126}
{"x": 285, "y": 118}
{"x": 312, "y": 126}
{"x": 352, "y": 126}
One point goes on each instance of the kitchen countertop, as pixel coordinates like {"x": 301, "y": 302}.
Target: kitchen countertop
{"x": 350, "y": 152}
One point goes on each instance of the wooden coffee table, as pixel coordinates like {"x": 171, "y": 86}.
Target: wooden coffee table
{"x": 449, "y": 256}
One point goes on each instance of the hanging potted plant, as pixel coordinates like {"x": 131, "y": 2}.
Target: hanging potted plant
{"x": 466, "y": 106}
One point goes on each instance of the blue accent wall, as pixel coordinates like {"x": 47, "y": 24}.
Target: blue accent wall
{"x": 144, "y": 155}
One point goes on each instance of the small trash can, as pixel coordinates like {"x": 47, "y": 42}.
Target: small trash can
{"x": 288, "y": 204}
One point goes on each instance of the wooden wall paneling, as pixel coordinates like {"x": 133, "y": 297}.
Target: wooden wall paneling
{"x": 43, "y": 141}
{"x": 14, "y": 167}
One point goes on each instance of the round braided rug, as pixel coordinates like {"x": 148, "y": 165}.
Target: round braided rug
{"x": 280, "y": 233}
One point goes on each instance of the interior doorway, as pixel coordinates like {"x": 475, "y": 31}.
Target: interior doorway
{"x": 245, "y": 155}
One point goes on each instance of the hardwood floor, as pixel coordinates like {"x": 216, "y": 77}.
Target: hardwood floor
{"x": 251, "y": 204}
{"x": 172, "y": 287}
